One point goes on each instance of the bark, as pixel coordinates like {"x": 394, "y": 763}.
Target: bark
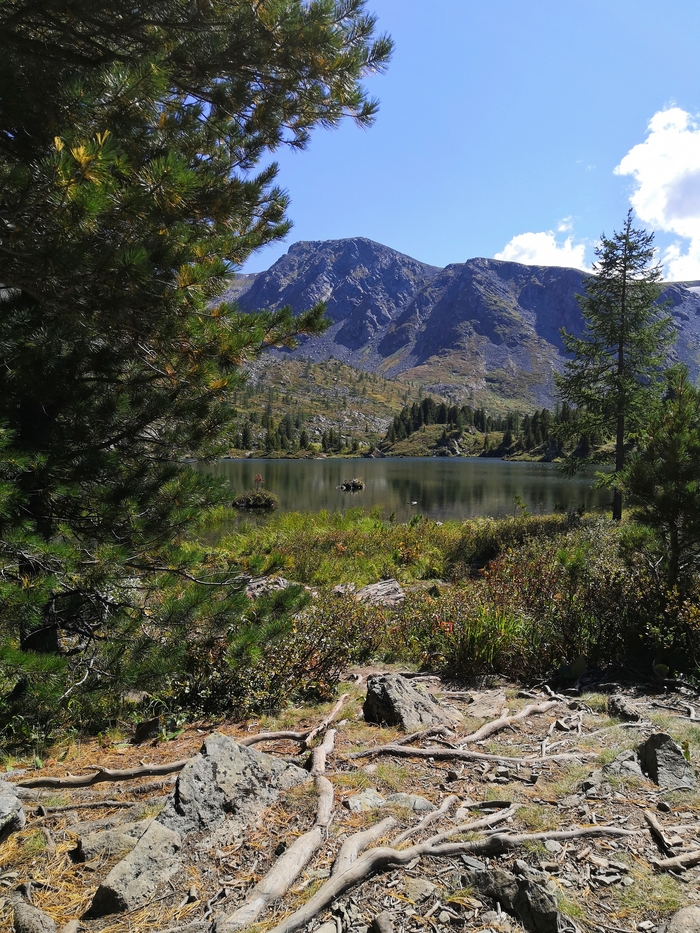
{"x": 105, "y": 774}
{"x": 503, "y": 722}
{"x": 358, "y": 842}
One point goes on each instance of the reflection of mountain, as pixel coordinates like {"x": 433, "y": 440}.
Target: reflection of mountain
{"x": 482, "y": 328}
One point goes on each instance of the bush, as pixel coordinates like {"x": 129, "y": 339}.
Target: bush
{"x": 259, "y": 500}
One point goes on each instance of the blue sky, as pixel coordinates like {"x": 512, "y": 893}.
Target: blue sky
{"x": 518, "y": 130}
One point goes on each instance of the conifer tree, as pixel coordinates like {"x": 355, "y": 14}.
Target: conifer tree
{"x": 131, "y": 137}
{"x": 615, "y": 370}
{"x": 663, "y": 478}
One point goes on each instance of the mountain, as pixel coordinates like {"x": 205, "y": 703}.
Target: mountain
{"x": 484, "y": 331}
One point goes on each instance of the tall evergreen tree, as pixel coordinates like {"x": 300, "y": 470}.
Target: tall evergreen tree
{"x": 616, "y": 367}
{"x": 129, "y": 139}
{"x": 663, "y": 479}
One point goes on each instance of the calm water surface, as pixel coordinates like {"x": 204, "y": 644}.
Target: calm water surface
{"x": 439, "y": 488}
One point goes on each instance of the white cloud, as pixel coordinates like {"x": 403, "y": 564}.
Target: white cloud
{"x": 542, "y": 249}
{"x": 565, "y": 225}
{"x": 666, "y": 173}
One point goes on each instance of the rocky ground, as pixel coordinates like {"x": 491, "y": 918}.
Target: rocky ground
{"x": 481, "y": 808}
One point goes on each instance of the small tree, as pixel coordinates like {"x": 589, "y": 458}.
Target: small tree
{"x": 663, "y": 479}
{"x": 615, "y": 371}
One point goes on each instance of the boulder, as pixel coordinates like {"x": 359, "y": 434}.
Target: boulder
{"x": 663, "y": 760}
{"x": 626, "y": 764}
{"x": 133, "y": 880}
{"x": 12, "y": 816}
{"x": 393, "y": 701}
{"x": 529, "y": 896}
{"x": 226, "y": 782}
{"x": 366, "y": 800}
{"x": 111, "y": 842}
{"x": 29, "y": 919}
{"x": 384, "y": 593}
{"x": 621, "y": 708}
{"x": 411, "y": 802}
{"x": 686, "y": 920}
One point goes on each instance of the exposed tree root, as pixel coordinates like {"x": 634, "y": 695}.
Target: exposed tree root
{"x": 686, "y": 860}
{"x": 383, "y": 858}
{"x": 290, "y": 865}
{"x": 460, "y": 754}
{"x": 105, "y": 774}
{"x": 445, "y": 806}
{"x": 504, "y": 721}
{"x": 358, "y": 842}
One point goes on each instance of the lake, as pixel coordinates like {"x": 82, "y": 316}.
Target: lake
{"x": 439, "y": 488}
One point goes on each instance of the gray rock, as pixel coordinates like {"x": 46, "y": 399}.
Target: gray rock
{"x": 523, "y": 897}
{"x": 226, "y": 782}
{"x": 626, "y": 764}
{"x": 411, "y": 801}
{"x": 12, "y": 816}
{"x": 384, "y": 593}
{"x": 265, "y": 585}
{"x": 486, "y": 704}
{"x": 686, "y": 920}
{"x": 662, "y": 759}
{"x": 107, "y": 844}
{"x": 30, "y": 919}
{"x": 621, "y": 708}
{"x": 418, "y": 889}
{"x": 552, "y": 846}
{"x": 366, "y": 800}
{"x": 392, "y": 700}
{"x": 381, "y": 924}
{"x": 133, "y": 880}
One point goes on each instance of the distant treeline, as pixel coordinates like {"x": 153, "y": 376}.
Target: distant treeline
{"x": 526, "y": 430}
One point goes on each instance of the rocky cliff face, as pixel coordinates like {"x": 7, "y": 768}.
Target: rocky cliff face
{"x": 483, "y": 328}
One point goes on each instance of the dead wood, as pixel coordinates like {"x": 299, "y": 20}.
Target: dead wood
{"x": 461, "y": 754}
{"x": 327, "y": 721}
{"x": 105, "y": 774}
{"x": 358, "y": 842}
{"x": 305, "y": 737}
{"x": 319, "y": 754}
{"x": 484, "y": 823}
{"x": 686, "y": 860}
{"x": 292, "y": 862}
{"x": 41, "y": 810}
{"x": 382, "y": 858}
{"x": 445, "y": 806}
{"x": 504, "y": 721}
{"x": 658, "y": 833}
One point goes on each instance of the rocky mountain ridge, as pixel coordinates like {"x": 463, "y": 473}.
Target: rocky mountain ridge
{"x": 479, "y": 330}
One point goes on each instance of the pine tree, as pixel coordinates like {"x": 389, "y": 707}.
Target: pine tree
{"x": 131, "y": 137}
{"x": 615, "y": 371}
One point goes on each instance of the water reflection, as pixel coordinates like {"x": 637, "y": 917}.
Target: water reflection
{"x": 440, "y": 489}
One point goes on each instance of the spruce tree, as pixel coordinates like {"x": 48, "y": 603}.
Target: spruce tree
{"x": 663, "y": 478}
{"x": 615, "y": 370}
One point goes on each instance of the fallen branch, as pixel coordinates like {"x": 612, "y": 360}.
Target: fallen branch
{"x": 327, "y": 721}
{"x": 358, "y": 842}
{"x": 305, "y": 737}
{"x": 461, "y": 754}
{"x": 446, "y": 805}
{"x": 504, "y": 721}
{"x": 384, "y": 857}
{"x": 290, "y": 865}
{"x": 105, "y": 774}
{"x": 658, "y": 833}
{"x": 686, "y": 860}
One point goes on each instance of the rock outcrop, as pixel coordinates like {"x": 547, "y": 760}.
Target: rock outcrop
{"x": 483, "y": 316}
{"x": 226, "y": 786}
{"x": 393, "y": 701}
